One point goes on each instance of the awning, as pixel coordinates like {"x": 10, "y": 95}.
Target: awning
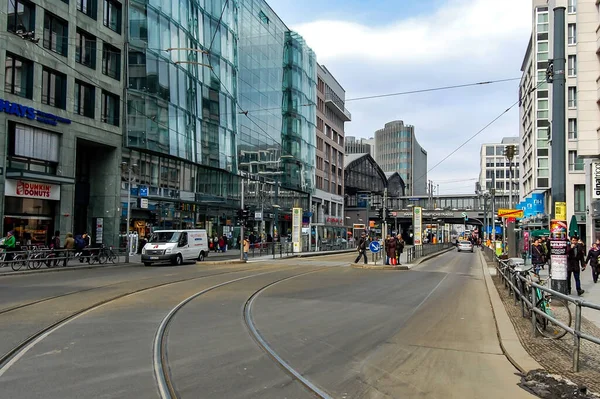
{"x": 39, "y": 177}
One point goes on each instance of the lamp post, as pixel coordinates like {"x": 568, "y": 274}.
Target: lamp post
{"x": 129, "y": 181}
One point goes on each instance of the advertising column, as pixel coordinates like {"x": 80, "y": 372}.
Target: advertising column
{"x": 558, "y": 250}
{"x": 418, "y": 225}
{"x": 297, "y": 229}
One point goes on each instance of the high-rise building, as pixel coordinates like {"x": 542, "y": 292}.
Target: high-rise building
{"x": 536, "y": 106}
{"x": 397, "y": 150}
{"x": 328, "y": 199}
{"x": 356, "y": 145}
{"x": 495, "y": 167}
{"x": 234, "y": 97}
{"x": 61, "y": 124}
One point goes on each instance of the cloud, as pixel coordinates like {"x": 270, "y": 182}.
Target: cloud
{"x": 463, "y": 41}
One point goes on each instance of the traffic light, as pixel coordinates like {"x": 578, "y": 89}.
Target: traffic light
{"x": 550, "y": 72}
{"x": 240, "y": 213}
{"x": 380, "y": 213}
{"x": 245, "y": 212}
{"x": 388, "y": 214}
{"x": 509, "y": 151}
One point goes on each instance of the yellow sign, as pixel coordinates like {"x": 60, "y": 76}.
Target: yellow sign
{"x": 560, "y": 211}
{"x": 510, "y": 213}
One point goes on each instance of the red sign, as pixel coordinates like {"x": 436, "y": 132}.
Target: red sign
{"x": 334, "y": 220}
{"x": 28, "y": 189}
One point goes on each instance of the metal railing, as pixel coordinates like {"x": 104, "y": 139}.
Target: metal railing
{"x": 418, "y": 251}
{"x": 510, "y": 277}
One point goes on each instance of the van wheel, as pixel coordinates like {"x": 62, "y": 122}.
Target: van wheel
{"x": 201, "y": 256}
{"x": 147, "y": 264}
{"x": 178, "y": 260}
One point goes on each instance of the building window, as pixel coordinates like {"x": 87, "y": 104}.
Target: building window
{"x": 572, "y": 34}
{"x": 572, "y": 129}
{"x": 21, "y": 16}
{"x": 54, "y": 87}
{"x": 56, "y": 34}
{"x": 579, "y": 190}
{"x": 111, "y": 61}
{"x": 572, "y": 8}
{"x": 85, "y": 49}
{"x": 489, "y": 150}
{"x": 575, "y": 163}
{"x": 88, "y": 7}
{"x": 542, "y": 51}
{"x": 18, "y": 76}
{"x": 542, "y": 109}
{"x": 542, "y": 138}
{"x": 572, "y": 65}
{"x": 110, "y": 108}
{"x": 542, "y": 22}
{"x": 572, "y": 97}
{"x": 112, "y": 15}
{"x": 84, "y": 99}
{"x": 32, "y": 149}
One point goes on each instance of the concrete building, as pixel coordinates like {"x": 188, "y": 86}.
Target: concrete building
{"x": 328, "y": 199}
{"x": 536, "y": 105}
{"x": 397, "y": 150}
{"x": 495, "y": 166}
{"x": 356, "y": 145}
{"x": 61, "y": 122}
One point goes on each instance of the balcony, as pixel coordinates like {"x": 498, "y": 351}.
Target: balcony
{"x": 337, "y": 106}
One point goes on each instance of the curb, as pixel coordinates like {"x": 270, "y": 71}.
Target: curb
{"x": 221, "y": 262}
{"x": 382, "y": 267}
{"x": 434, "y": 255}
{"x": 507, "y": 337}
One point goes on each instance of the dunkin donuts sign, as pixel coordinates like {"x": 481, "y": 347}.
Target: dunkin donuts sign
{"x": 29, "y": 189}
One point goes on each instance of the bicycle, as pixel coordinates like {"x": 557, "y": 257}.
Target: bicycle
{"x": 557, "y": 308}
{"x": 110, "y": 255}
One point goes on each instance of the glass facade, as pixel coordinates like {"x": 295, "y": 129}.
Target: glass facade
{"x": 181, "y": 101}
{"x": 277, "y": 87}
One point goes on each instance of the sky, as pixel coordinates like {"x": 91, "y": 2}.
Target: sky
{"x": 376, "y": 47}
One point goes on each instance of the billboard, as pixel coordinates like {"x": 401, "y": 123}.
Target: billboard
{"x": 297, "y": 229}
{"x": 537, "y": 202}
{"x": 418, "y": 225}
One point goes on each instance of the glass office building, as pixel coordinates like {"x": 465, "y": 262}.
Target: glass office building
{"x": 210, "y": 99}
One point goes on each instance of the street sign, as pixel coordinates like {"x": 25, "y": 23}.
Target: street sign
{"x": 464, "y": 214}
{"x": 513, "y": 213}
{"x": 374, "y": 246}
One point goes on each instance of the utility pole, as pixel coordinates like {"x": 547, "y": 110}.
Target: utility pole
{"x": 242, "y": 221}
{"x": 384, "y": 220}
{"x": 493, "y": 215}
{"x": 557, "y": 77}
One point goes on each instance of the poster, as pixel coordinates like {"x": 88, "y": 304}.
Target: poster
{"x": 558, "y": 229}
{"x": 560, "y": 210}
{"x": 418, "y": 225}
{"x": 558, "y": 257}
{"x": 297, "y": 229}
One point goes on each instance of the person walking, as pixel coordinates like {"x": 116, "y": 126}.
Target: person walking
{"x": 537, "y": 256}
{"x": 399, "y": 248}
{"x": 69, "y": 246}
{"x": 592, "y": 259}
{"x": 10, "y": 244}
{"x": 246, "y": 248}
{"x": 362, "y": 248}
{"x": 575, "y": 265}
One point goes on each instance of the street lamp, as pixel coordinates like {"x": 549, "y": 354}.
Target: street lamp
{"x": 129, "y": 181}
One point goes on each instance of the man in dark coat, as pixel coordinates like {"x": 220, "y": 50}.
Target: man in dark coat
{"x": 362, "y": 248}
{"x": 575, "y": 264}
{"x": 592, "y": 259}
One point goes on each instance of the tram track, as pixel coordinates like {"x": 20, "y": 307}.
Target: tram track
{"x": 14, "y": 354}
{"x": 162, "y": 372}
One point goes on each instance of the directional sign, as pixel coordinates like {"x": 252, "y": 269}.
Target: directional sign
{"x": 513, "y": 213}
{"x": 374, "y": 246}
{"x": 464, "y": 214}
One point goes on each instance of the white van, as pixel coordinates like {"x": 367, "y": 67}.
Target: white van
{"x": 175, "y": 246}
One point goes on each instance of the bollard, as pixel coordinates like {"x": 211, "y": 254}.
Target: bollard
{"x": 576, "y": 338}
{"x": 533, "y": 315}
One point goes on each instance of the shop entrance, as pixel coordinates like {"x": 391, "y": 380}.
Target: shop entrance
{"x": 31, "y": 220}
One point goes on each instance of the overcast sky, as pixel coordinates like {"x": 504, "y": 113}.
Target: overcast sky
{"x": 384, "y": 46}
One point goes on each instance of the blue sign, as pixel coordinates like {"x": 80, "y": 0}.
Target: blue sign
{"x": 528, "y": 207}
{"x": 498, "y": 229}
{"x": 143, "y": 191}
{"x": 23, "y": 111}
{"x": 374, "y": 246}
{"x": 537, "y": 200}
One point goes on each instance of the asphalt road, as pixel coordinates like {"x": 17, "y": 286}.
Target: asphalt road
{"x": 354, "y": 333}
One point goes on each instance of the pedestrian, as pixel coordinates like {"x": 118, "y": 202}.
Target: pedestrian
{"x": 399, "y": 248}
{"x": 362, "y": 248}
{"x": 592, "y": 259}
{"x": 246, "y": 248}
{"x": 9, "y": 245}
{"x": 69, "y": 247}
{"x": 390, "y": 250}
{"x": 537, "y": 256}
{"x": 575, "y": 264}
{"x": 545, "y": 250}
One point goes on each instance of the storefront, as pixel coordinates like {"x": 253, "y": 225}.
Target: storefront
{"x": 30, "y": 210}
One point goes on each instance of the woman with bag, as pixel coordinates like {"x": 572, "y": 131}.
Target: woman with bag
{"x": 537, "y": 256}
{"x": 390, "y": 250}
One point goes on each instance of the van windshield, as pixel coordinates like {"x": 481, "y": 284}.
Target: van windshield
{"x": 164, "y": 236}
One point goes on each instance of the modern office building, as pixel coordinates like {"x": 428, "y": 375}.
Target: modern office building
{"x": 496, "y": 167}
{"x": 359, "y": 145}
{"x": 216, "y": 95}
{"x": 536, "y": 106}
{"x": 397, "y": 150}
{"x": 61, "y": 124}
{"x": 328, "y": 199}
